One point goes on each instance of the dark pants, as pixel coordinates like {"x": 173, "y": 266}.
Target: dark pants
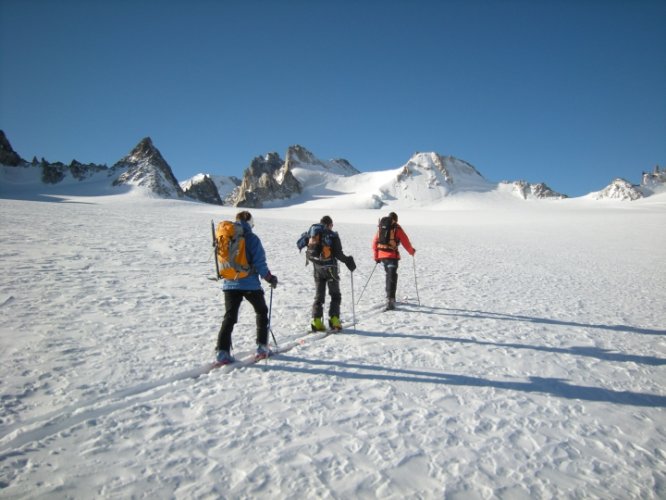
{"x": 391, "y": 268}
{"x": 232, "y": 302}
{"x": 326, "y": 276}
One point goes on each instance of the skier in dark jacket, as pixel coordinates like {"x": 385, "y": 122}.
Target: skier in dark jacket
{"x": 326, "y": 272}
{"x": 387, "y": 253}
{"x": 248, "y": 288}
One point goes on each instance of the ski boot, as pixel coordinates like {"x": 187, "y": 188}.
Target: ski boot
{"x": 262, "y": 352}
{"x": 223, "y": 358}
{"x": 317, "y": 325}
{"x": 334, "y": 324}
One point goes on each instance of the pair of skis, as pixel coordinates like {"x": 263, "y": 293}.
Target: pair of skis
{"x": 249, "y": 357}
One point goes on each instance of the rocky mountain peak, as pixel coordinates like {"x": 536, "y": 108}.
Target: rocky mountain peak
{"x": 619, "y": 189}
{"x": 434, "y": 176}
{"x": 452, "y": 170}
{"x": 299, "y": 157}
{"x": 7, "y": 154}
{"x": 145, "y": 150}
{"x": 267, "y": 164}
{"x": 267, "y": 178}
{"x": 299, "y": 154}
{"x": 655, "y": 180}
{"x": 203, "y": 188}
{"x": 145, "y": 167}
{"x": 541, "y": 191}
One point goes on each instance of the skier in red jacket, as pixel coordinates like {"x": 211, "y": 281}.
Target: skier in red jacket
{"x": 388, "y": 238}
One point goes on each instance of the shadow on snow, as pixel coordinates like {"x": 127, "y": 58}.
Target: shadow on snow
{"x": 544, "y": 385}
{"x": 592, "y": 352}
{"x": 470, "y": 313}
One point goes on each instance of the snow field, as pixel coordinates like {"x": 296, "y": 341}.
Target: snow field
{"x": 533, "y": 368}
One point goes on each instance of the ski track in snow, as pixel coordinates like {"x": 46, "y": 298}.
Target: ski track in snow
{"x": 532, "y": 368}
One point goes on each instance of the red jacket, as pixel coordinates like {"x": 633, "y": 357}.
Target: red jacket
{"x": 401, "y": 238}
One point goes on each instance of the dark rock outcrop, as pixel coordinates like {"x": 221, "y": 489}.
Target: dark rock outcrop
{"x": 144, "y": 166}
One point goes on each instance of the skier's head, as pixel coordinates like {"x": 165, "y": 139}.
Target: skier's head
{"x": 326, "y": 220}
{"x": 393, "y": 216}
{"x": 245, "y": 216}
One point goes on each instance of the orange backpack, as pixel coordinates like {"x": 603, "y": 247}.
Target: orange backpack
{"x": 230, "y": 254}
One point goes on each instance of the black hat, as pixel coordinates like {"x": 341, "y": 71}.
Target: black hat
{"x": 326, "y": 220}
{"x": 393, "y": 216}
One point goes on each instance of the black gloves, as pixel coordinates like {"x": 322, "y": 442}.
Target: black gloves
{"x": 351, "y": 265}
{"x": 272, "y": 280}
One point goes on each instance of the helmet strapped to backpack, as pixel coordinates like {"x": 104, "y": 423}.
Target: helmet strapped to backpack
{"x": 230, "y": 250}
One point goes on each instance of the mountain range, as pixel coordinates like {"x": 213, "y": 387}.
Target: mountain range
{"x": 426, "y": 180}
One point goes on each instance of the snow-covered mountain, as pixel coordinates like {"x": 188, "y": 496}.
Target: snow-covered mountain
{"x": 427, "y": 179}
{"x": 301, "y": 179}
{"x": 145, "y": 167}
{"x": 270, "y": 179}
{"x": 300, "y": 160}
{"x": 430, "y": 177}
{"x": 215, "y": 189}
{"x": 267, "y": 178}
{"x": 528, "y": 191}
{"x": 619, "y": 189}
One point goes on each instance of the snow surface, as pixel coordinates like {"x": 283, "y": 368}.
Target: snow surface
{"x": 533, "y": 367}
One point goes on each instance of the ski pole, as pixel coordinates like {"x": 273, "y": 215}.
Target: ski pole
{"x": 366, "y": 283}
{"x": 416, "y": 284}
{"x": 270, "y": 311}
{"x": 353, "y": 310}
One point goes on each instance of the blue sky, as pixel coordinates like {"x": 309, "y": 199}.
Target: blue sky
{"x": 569, "y": 92}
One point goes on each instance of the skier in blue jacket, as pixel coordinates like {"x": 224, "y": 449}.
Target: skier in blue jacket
{"x": 248, "y": 288}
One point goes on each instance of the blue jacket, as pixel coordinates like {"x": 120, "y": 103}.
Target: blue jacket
{"x": 256, "y": 256}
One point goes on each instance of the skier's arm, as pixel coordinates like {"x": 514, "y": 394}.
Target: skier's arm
{"x": 336, "y": 249}
{"x": 374, "y": 248}
{"x": 402, "y": 237}
{"x": 257, "y": 256}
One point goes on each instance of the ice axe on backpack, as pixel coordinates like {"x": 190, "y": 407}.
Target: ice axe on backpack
{"x": 217, "y": 265}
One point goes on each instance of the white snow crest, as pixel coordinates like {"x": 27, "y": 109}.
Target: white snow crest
{"x": 619, "y": 189}
{"x": 428, "y": 178}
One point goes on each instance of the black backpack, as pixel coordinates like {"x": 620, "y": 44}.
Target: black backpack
{"x": 386, "y": 234}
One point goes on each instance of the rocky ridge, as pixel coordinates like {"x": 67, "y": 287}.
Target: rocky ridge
{"x": 540, "y": 191}
{"x": 424, "y": 179}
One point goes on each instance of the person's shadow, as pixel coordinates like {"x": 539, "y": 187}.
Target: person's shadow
{"x": 544, "y": 385}
{"x": 471, "y": 313}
